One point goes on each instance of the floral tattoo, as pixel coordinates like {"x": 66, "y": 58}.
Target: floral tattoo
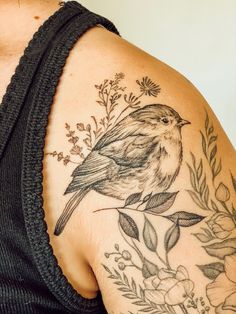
{"x": 123, "y": 154}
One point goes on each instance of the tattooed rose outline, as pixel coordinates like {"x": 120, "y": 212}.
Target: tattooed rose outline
{"x": 222, "y": 291}
{"x": 168, "y": 287}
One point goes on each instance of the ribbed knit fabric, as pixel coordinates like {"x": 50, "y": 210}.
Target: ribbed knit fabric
{"x": 31, "y": 280}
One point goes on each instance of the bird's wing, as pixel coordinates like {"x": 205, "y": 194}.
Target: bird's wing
{"x": 94, "y": 168}
{"x": 125, "y": 128}
{"x": 131, "y": 151}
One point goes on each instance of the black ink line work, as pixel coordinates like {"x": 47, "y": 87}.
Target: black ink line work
{"x": 141, "y": 153}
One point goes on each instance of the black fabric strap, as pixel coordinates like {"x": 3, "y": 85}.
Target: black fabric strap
{"x": 24, "y": 113}
{"x": 40, "y": 98}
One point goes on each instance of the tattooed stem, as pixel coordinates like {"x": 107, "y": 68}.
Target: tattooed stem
{"x": 133, "y": 246}
{"x": 226, "y": 208}
{"x": 161, "y": 259}
{"x": 138, "y": 251}
{"x": 134, "y": 265}
{"x": 113, "y": 208}
{"x": 167, "y": 261}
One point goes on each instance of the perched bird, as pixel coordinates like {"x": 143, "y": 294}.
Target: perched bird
{"x": 141, "y": 153}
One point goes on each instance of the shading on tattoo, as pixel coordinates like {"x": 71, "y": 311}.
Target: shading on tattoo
{"x": 132, "y": 155}
{"x": 164, "y": 288}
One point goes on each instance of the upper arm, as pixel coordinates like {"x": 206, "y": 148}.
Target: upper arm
{"x": 155, "y": 203}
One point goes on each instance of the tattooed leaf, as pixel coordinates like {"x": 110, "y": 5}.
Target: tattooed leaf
{"x": 196, "y": 199}
{"x": 142, "y": 303}
{"x": 185, "y": 219}
{"x": 123, "y": 289}
{"x": 171, "y": 237}
{"x": 206, "y": 195}
{"x": 222, "y": 249}
{"x": 146, "y": 309}
{"x": 214, "y": 206}
{"x": 149, "y": 269}
{"x": 141, "y": 291}
{"x": 233, "y": 182}
{"x": 203, "y": 237}
{"x": 204, "y": 144}
{"x": 192, "y": 177}
{"x": 193, "y": 159}
{"x": 203, "y": 185}
{"x": 126, "y": 279}
{"x": 101, "y": 103}
{"x": 129, "y": 296}
{"x": 133, "y": 198}
{"x": 107, "y": 269}
{"x": 119, "y": 283}
{"x": 212, "y": 139}
{"x": 217, "y": 170}
{"x": 133, "y": 285}
{"x": 117, "y": 273}
{"x": 199, "y": 170}
{"x": 213, "y": 152}
{"x": 211, "y": 129}
{"x": 160, "y": 202}
{"x": 206, "y": 122}
{"x": 212, "y": 270}
{"x": 128, "y": 225}
{"x": 149, "y": 236}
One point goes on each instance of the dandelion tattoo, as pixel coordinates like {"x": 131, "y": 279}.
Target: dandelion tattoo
{"x": 134, "y": 153}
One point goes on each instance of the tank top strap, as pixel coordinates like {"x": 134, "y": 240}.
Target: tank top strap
{"x": 33, "y": 87}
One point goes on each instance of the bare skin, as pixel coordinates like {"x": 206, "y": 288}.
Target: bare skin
{"x": 89, "y": 235}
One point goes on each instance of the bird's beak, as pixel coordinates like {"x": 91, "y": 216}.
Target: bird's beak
{"x": 183, "y": 122}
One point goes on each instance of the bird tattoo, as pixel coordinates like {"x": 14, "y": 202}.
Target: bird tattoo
{"x": 141, "y": 153}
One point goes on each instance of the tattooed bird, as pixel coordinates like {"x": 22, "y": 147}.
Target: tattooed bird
{"x": 141, "y": 153}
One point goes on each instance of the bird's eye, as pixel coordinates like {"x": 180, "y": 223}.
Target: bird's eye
{"x": 165, "y": 120}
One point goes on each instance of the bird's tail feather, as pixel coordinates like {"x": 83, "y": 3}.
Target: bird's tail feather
{"x": 68, "y": 211}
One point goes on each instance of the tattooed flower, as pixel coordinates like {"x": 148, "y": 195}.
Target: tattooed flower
{"x": 168, "y": 287}
{"x": 119, "y": 76}
{"x": 66, "y": 160}
{"x": 60, "y": 156}
{"x": 221, "y": 225}
{"x": 222, "y": 193}
{"x": 76, "y": 150}
{"x": 148, "y": 87}
{"x": 222, "y": 292}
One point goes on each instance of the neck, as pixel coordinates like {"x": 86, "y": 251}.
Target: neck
{"x": 19, "y": 20}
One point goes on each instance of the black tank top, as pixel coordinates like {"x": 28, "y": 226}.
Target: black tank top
{"x": 31, "y": 280}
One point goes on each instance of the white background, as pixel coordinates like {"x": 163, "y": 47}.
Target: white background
{"x": 196, "y": 37}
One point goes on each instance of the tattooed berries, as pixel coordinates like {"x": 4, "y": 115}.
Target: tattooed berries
{"x": 121, "y": 266}
{"x": 126, "y": 255}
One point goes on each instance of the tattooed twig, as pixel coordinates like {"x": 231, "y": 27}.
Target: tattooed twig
{"x": 60, "y": 157}
{"x": 200, "y": 193}
{"x": 131, "y": 291}
{"x": 209, "y": 147}
{"x": 108, "y": 96}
